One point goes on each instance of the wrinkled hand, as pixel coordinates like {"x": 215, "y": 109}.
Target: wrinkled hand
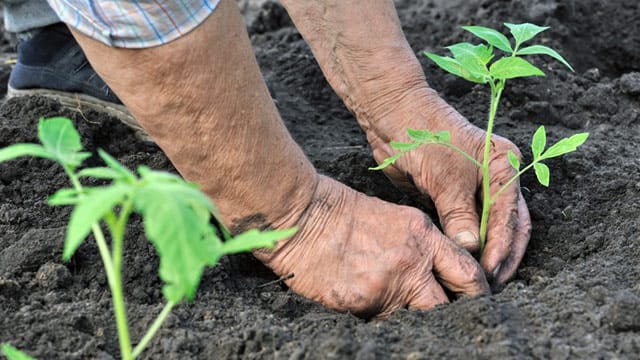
{"x": 363, "y": 255}
{"x": 454, "y": 183}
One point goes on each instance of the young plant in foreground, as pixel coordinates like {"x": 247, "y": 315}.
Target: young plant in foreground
{"x": 474, "y": 63}
{"x": 176, "y": 216}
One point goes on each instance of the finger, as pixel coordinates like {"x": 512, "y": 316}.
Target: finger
{"x": 457, "y": 269}
{"x": 429, "y": 295}
{"x": 503, "y": 222}
{"x": 459, "y": 219}
{"x": 520, "y": 242}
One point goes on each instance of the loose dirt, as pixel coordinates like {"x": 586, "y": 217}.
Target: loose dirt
{"x": 576, "y": 295}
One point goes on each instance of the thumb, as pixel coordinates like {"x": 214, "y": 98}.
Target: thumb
{"x": 458, "y": 270}
{"x": 459, "y": 219}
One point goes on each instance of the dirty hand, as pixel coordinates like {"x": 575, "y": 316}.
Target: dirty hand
{"x": 363, "y": 255}
{"x": 376, "y": 73}
{"x": 453, "y": 182}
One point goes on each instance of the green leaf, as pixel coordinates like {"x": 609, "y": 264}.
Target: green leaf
{"x": 544, "y": 50}
{"x": 542, "y": 173}
{"x": 111, "y": 162}
{"x": 174, "y": 223}
{"x": 90, "y": 208}
{"x": 62, "y": 141}
{"x": 453, "y": 66}
{"x": 513, "y": 67}
{"x": 513, "y": 160}
{"x": 446, "y": 63}
{"x": 565, "y": 146}
{"x": 64, "y": 197}
{"x": 474, "y": 59}
{"x": 443, "y": 136}
{"x": 538, "y": 142}
{"x": 18, "y": 150}
{"x": 524, "y": 32}
{"x": 152, "y": 175}
{"x": 403, "y": 146}
{"x": 481, "y": 53}
{"x": 255, "y": 239}
{"x": 420, "y": 135}
{"x": 189, "y": 192}
{"x": 100, "y": 173}
{"x": 14, "y": 354}
{"x": 388, "y": 161}
{"x": 491, "y": 36}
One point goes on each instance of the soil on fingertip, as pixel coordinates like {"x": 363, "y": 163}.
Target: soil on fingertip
{"x": 576, "y": 294}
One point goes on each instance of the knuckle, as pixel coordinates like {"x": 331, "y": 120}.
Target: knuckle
{"x": 502, "y": 145}
{"x": 456, "y": 213}
{"x": 419, "y": 222}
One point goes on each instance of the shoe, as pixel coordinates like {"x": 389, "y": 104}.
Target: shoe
{"x": 52, "y": 64}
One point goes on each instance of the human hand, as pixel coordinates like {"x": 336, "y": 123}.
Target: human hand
{"x": 363, "y": 255}
{"x": 454, "y": 183}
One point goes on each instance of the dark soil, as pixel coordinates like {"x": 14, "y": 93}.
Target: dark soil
{"x": 576, "y": 295}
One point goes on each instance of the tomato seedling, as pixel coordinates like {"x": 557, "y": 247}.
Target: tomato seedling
{"x": 176, "y": 217}
{"x": 475, "y": 63}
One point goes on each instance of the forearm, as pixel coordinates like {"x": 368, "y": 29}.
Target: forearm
{"x": 363, "y": 53}
{"x": 203, "y": 100}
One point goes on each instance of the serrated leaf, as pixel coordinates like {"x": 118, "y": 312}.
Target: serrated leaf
{"x": 14, "y": 354}
{"x": 481, "y": 53}
{"x": 513, "y": 67}
{"x": 491, "y": 36}
{"x": 99, "y": 173}
{"x": 90, "y": 209}
{"x": 443, "y": 136}
{"x": 538, "y": 142}
{"x": 524, "y": 32}
{"x": 64, "y": 197}
{"x": 18, "y": 150}
{"x": 116, "y": 166}
{"x": 175, "y": 226}
{"x": 256, "y": 239}
{"x": 189, "y": 192}
{"x": 388, "y": 161}
{"x": 420, "y": 135}
{"x": 565, "y": 146}
{"x": 456, "y": 68}
{"x": 62, "y": 141}
{"x": 542, "y": 173}
{"x": 544, "y": 50}
{"x": 513, "y": 160}
{"x": 152, "y": 175}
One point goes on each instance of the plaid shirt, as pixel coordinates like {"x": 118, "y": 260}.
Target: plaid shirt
{"x": 133, "y": 23}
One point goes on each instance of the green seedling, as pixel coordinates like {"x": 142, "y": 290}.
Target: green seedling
{"x": 478, "y": 64}
{"x": 176, "y": 216}
{"x": 14, "y": 354}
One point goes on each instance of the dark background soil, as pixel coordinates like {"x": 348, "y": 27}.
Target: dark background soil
{"x": 576, "y": 295}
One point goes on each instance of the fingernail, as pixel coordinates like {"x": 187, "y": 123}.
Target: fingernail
{"x": 467, "y": 240}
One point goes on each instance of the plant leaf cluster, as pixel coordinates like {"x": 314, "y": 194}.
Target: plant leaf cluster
{"x": 478, "y": 64}
{"x": 538, "y": 144}
{"x": 175, "y": 213}
{"x": 474, "y": 62}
